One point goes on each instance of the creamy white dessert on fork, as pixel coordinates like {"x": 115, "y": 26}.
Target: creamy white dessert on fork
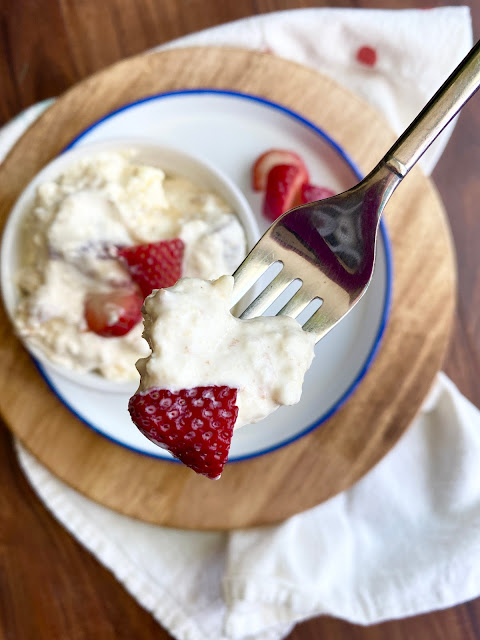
{"x": 88, "y": 244}
{"x": 210, "y": 372}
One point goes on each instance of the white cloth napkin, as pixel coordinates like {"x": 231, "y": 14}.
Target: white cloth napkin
{"x": 403, "y": 540}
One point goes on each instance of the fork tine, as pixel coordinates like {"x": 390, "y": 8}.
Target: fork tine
{"x": 268, "y": 295}
{"x": 296, "y": 304}
{"x": 251, "y": 269}
{"x": 321, "y": 321}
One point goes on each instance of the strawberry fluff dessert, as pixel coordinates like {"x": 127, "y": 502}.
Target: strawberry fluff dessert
{"x": 209, "y": 372}
{"x": 98, "y": 239}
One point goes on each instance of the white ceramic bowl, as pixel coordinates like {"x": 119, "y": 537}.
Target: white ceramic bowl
{"x": 172, "y": 161}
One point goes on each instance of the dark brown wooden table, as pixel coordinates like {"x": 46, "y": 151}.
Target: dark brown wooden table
{"x": 50, "y": 587}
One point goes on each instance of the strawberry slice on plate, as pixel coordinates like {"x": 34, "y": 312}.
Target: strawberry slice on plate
{"x": 157, "y": 265}
{"x": 283, "y": 187}
{"x": 114, "y": 313}
{"x": 272, "y": 158}
{"x": 195, "y": 425}
{"x": 312, "y": 193}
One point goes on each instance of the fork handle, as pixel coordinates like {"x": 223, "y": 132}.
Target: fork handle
{"x": 435, "y": 116}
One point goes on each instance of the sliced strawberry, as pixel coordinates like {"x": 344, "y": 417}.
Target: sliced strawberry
{"x": 154, "y": 266}
{"x": 312, "y": 193}
{"x": 114, "y": 313}
{"x": 195, "y": 425}
{"x": 283, "y": 186}
{"x": 270, "y": 159}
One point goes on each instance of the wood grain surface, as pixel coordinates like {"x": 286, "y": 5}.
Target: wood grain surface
{"x": 266, "y": 489}
{"x": 49, "y": 586}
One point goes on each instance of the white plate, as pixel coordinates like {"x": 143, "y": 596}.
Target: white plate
{"x": 230, "y": 130}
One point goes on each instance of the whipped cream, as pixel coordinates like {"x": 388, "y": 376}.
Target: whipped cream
{"x": 98, "y": 203}
{"x": 195, "y": 341}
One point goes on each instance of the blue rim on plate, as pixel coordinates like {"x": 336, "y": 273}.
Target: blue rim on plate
{"x": 388, "y": 263}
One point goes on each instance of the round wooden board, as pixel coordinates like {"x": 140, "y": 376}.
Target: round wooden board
{"x": 328, "y": 460}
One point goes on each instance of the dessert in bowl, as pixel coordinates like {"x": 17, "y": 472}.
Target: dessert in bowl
{"x": 96, "y": 231}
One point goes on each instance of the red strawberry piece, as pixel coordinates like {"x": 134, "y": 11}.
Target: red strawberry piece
{"x": 312, "y": 193}
{"x": 270, "y": 159}
{"x": 114, "y": 313}
{"x": 195, "y": 425}
{"x": 283, "y": 186}
{"x": 154, "y": 266}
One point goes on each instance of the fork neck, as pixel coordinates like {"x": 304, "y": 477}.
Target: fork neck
{"x": 378, "y": 187}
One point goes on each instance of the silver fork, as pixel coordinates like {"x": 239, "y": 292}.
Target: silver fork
{"x": 329, "y": 245}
